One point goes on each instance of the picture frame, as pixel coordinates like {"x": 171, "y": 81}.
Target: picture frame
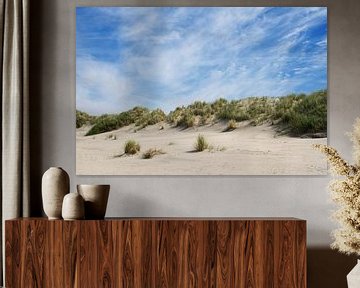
{"x": 201, "y": 90}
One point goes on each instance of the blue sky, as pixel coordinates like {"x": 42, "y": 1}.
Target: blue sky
{"x": 171, "y": 56}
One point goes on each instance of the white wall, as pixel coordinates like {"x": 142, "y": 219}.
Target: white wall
{"x": 53, "y": 127}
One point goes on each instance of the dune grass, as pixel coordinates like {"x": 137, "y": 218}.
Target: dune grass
{"x": 150, "y": 153}
{"x": 131, "y": 147}
{"x": 201, "y": 144}
{"x": 150, "y": 118}
{"x": 308, "y": 116}
{"x": 140, "y": 116}
{"x": 294, "y": 114}
{"x": 232, "y": 125}
{"x": 83, "y": 118}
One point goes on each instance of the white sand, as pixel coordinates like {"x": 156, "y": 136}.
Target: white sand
{"x": 248, "y": 151}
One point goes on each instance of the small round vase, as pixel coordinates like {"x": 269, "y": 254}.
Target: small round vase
{"x": 96, "y": 198}
{"x": 55, "y": 185}
{"x": 73, "y": 207}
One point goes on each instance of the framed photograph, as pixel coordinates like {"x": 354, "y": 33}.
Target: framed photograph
{"x": 201, "y": 90}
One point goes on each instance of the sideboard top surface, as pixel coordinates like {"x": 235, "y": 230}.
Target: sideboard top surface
{"x": 175, "y": 219}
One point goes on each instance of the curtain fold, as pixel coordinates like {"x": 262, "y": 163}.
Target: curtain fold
{"x": 14, "y": 30}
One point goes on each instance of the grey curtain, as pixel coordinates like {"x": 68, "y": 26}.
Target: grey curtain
{"x": 14, "y": 39}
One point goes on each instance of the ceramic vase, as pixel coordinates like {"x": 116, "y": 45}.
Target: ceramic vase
{"x": 73, "y": 207}
{"x": 96, "y": 198}
{"x": 55, "y": 185}
{"x": 353, "y": 278}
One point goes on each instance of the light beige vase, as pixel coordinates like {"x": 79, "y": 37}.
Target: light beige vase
{"x": 55, "y": 185}
{"x": 353, "y": 278}
{"x": 73, "y": 207}
{"x": 96, "y": 198}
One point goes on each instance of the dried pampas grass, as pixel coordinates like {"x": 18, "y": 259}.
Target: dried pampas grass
{"x": 345, "y": 191}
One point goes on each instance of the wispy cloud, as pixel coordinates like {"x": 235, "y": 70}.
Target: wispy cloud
{"x": 100, "y": 87}
{"x": 165, "y": 57}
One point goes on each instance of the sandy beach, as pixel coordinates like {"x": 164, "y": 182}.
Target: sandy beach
{"x": 247, "y": 150}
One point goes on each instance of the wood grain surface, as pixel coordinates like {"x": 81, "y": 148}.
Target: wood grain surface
{"x": 150, "y": 252}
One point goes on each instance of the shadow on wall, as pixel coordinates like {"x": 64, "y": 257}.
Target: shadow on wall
{"x": 328, "y": 268}
{"x": 35, "y": 104}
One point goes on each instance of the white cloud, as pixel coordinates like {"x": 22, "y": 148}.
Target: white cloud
{"x": 101, "y": 87}
{"x": 229, "y": 52}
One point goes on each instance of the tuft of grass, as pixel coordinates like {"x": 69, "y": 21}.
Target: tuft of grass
{"x": 111, "y": 137}
{"x": 131, "y": 147}
{"x": 201, "y": 144}
{"x": 232, "y": 125}
{"x": 213, "y": 149}
{"x": 171, "y": 143}
{"x": 222, "y": 148}
{"x": 150, "y": 153}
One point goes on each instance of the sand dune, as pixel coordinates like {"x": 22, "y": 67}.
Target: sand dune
{"x": 247, "y": 150}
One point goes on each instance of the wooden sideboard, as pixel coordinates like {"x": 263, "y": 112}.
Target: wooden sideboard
{"x": 156, "y": 252}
